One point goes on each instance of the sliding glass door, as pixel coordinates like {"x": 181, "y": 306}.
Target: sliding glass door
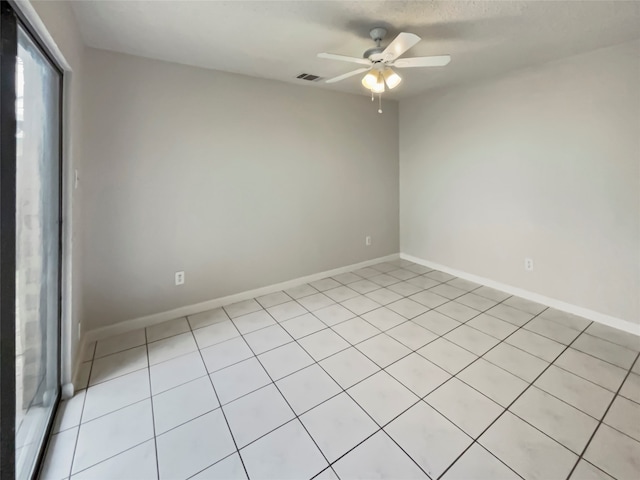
{"x": 31, "y": 161}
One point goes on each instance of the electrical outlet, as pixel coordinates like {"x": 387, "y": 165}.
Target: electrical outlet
{"x": 179, "y": 278}
{"x": 528, "y": 264}
{"x": 367, "y": 240}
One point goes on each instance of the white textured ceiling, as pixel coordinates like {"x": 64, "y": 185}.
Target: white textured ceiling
{"x": 280, "y": 39}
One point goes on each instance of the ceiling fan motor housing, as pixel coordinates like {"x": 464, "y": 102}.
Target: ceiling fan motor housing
{"x": 372, "y": 51}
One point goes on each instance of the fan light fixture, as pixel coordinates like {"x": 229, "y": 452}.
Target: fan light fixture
{"x": 379, "y": 85}
{"x": 370, "y": 79}
{"x": 375, "y": 80}
{"x": 392, "y": 78}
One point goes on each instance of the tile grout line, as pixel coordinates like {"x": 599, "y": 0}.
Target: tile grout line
{"x": 511, "y": 404}
{"x": 466, "y": 322}
{"x": 208, "y": 374}
{"x": 119, "y": 409}
{"x": 328, "y": 468}
{"x": 412, "y": 319}
{"x": 484, "y": 311}
{"x": 402, "y": 412}
{"x": 584, "y": 332}
{"x": 546, "y": 361}
{"x": 343, "y": 391}
{"x": 412, "y": 350}
{"x": 217, "y": 461}
{"x": 613, "y": 399}
{"x": 220, "y": 406}
{"x": 84, "y": 402}
{"x": 380, "y": 428}
{"x": 474, "y": 439}
{"x": 352, "y": 345}
{"x": 530, "y": 384}
{"x": 296, "y": 416}
{"x": 408, "y": 297}
{"x": 274, "y": 383}
{"x": 232, "y": 318}
{"x": 346, "y": 320}
{"x": 167, "y": 337}
{"x": 596, "y": 467}
{"x": 274, "y": 305}
{"x": 153, "y": 418}
{"x": 380, "y": 369}
{"x": 112, "y": 456}
{"x": 423, "y": 398}
{"x": 380, "y": 287}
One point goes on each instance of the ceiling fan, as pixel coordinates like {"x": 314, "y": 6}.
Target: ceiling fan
{"x": 379, "y": 60}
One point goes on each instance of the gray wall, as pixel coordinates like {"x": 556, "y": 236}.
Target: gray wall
{"x": 543, "y": 163}
{"x": 240, "y": 182}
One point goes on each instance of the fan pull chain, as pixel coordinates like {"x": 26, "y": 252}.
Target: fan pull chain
{"x": 372, "y": 96}
{"x": 379, "y": 103}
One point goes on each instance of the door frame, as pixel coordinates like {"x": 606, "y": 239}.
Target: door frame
{"x": 10, "y": 18}
{"x": 9, "y": 50}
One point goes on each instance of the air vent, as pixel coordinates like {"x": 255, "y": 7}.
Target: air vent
{"x": 308, "y": 76}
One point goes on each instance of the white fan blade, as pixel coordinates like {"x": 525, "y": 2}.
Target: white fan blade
{"x": 347, "y": 75}
{"x": 403, "y": 42}
{"x": 344, "y": 58}
{"x": 434, "y": 61}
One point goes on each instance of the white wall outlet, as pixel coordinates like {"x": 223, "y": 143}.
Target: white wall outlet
{"x": 367, "y": 240}
{"x": 179, "y": 278}
{"x": 528, "y": 264}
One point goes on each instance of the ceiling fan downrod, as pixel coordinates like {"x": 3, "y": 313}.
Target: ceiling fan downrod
{"x": 377, "y": 35}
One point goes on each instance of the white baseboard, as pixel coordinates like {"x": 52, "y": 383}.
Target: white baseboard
{"x": 614, "y": 322}
{"x": 149, "y": 320}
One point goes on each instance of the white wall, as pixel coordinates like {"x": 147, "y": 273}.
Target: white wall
{"x": 240, "y": 182}
{"x": 543, "y": 163}
{"x": 57, "y": 20}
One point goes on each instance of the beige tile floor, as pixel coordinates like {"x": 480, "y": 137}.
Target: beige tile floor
{"x": 393, "y": 371}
